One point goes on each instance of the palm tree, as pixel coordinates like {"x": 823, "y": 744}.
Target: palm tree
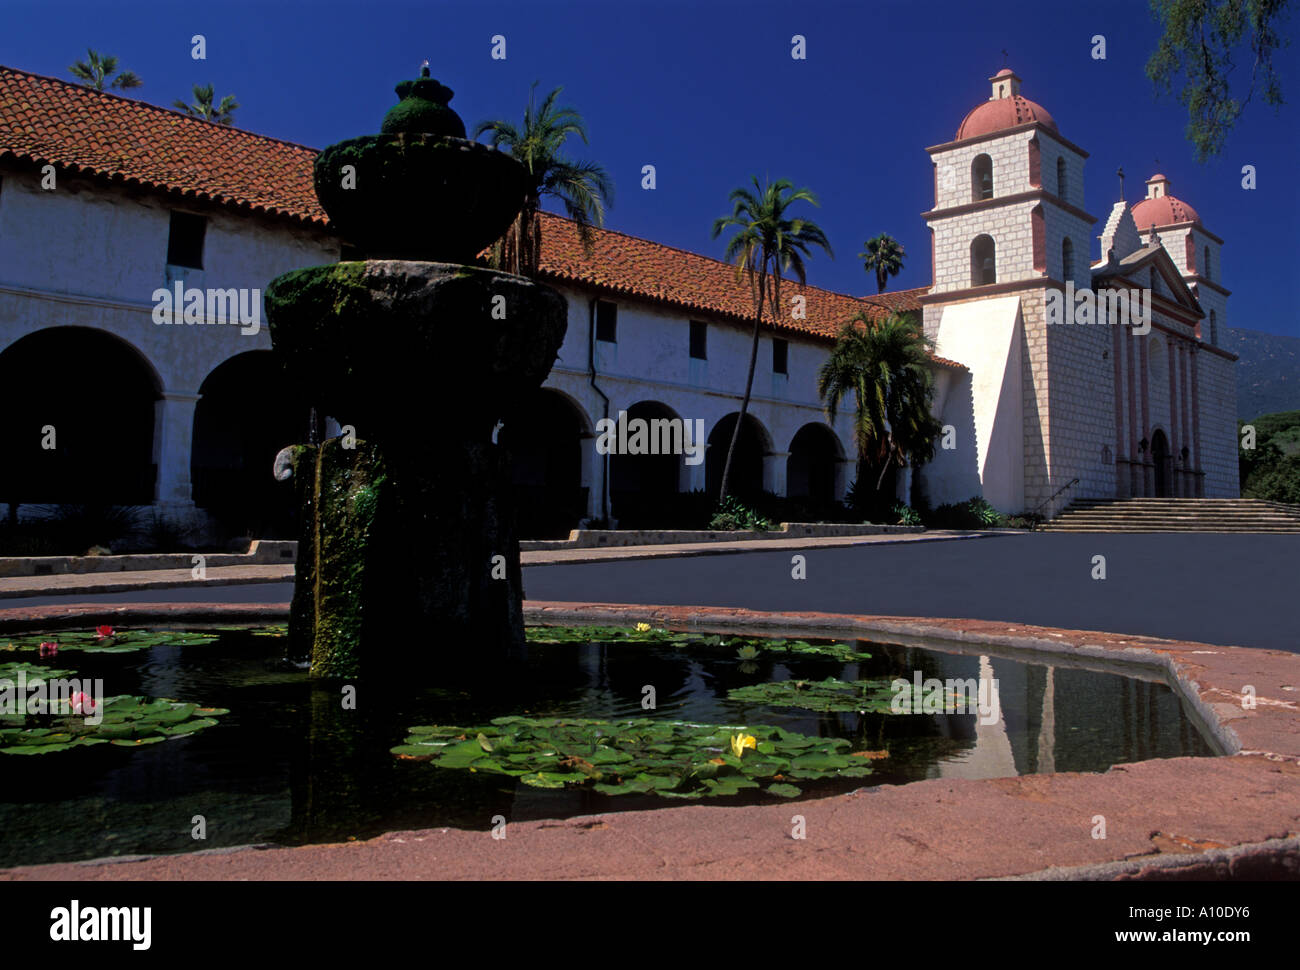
{"x": 884, "y": 365}
{"x": 766, "y": 244}
{"x": 884, "y": 255}
{"x": 95, "y": 71}
{"x": 584, "y": 188}
{"x": 223, "y": 113}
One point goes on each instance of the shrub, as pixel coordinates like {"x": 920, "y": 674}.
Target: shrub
{"x": 732, "y": 516}
{"x": 906, "y": 515}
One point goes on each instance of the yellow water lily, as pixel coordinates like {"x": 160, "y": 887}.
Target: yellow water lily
{"x": 739, "y": 742}
{"x": 643, "y": 628}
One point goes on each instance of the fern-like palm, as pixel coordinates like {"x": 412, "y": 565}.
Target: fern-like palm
{"x": 884, "y": 366}
{"x": 223, "y": 112}
{"x": 583, "y": 188}
{"x": 767, "y": 244}
{"x": 96, "y": 70}
{"x": 884, "y": 256}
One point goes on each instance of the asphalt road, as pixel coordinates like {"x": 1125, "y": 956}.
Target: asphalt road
{"x": 1224, "y": 589}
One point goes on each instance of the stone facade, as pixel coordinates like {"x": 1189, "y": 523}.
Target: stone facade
{"x": 1120, "y": 412}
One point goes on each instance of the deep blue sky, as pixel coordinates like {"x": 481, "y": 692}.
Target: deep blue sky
{"x": 706, "y": 91}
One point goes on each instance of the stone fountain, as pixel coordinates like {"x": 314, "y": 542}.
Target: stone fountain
{"x": 407, "y": 544}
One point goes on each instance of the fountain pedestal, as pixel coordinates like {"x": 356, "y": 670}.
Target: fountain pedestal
{"x": 408, "y": 536}
{"x": 408, "y": 546}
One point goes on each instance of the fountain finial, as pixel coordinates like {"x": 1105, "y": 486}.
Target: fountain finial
{"x": 423, "y": 109}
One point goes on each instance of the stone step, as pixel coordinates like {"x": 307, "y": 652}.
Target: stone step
{"x": 1186, "y": 515}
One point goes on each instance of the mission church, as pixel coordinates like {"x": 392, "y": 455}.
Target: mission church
{"x": 105, "y": 199}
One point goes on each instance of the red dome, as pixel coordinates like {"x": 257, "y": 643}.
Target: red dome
{"x": 1002, "y": 113}
{"x": 1165, "y": 210}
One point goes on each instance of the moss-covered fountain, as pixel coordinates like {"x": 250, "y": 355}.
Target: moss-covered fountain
{"x": 407, "y": 546}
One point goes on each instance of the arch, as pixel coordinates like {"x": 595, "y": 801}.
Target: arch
{"x": 1207, "y": 263}
{"x": 544, "y": 439}
{"x": 1160, "y": 459}
{"x": 981, "y": 178}
{"x": 246, "y": 412}
{"x": 1067, "y": 259}
{"x": 983, "y": 261}
{"x": 1061, "y": 171}
{"x": 639, "y": 484}
{"x": 753, "y": 445}
{"x": 815, "y": 451}
{"x": 1214, "y": 328}
{"x": 99, "y": 394}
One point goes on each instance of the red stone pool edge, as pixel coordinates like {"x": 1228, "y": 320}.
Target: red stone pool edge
{"x": 1235, "y": 816}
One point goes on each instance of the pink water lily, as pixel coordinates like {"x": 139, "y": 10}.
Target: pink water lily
{"x": 102, "y": 632}
{"x": 82, "y": 703}
{"x": 49, "y": 649}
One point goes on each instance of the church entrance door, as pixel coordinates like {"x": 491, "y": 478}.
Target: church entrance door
{"x": 1160, "y": 457}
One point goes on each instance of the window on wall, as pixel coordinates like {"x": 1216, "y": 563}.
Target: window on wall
{"x": 1214, "y": 328}
{"x": 185, "y": 240}
{"x": 607, "y": 321}
{"x": 1067, "y": 259}
{"x": 699, "y": 340}
{"x": 780, "y": 356}
{"x": 1060, "y": 178}
{"x": 1207, "y": 262}
{"x": 981, "y": 178}
{"x": 983, "y": 261}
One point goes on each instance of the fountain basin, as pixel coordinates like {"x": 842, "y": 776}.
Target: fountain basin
{"x": 419, "y": 196}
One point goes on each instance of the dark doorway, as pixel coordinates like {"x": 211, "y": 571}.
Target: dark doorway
{"x": 746, "y": 481}
{"x": 641, "y": 486}
{"x": 93, "y": 397}
{"x": 1160, "y": 459}
{"x": 544, "y": 440}
{"x": 245, "y": 414}
{"x": 810, "y": 469}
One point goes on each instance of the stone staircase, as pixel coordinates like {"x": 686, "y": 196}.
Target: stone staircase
{"x": 1177, "y": 515}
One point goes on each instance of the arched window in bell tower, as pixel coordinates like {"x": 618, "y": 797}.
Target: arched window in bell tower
{"x": 983, "y": 261}
{"x": 1214, "y": 328}
{"x": 1067, "y": 259}
{"x": 981, "y": 178}
{"x": 1207, "y": 262}
{"x": 1060, "y": 177}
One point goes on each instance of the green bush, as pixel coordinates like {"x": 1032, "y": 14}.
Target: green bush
{"x": 732, "y": 516}
{"x": 906, "y": 515}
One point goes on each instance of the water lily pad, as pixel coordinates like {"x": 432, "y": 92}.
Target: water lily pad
{"x": 643, "y": 756}
{"x": 831, "y": 695}
{"x": 121, "y": 641}
{"x": 127, "y": 721}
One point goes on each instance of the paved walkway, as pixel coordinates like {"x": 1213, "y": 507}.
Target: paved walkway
{"x": 26, "y": 587}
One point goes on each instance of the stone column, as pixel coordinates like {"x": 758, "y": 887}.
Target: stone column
{"x": 845, "y": 470}
{"x": 1148, "y": 483}
{"x": 1196, "y": 424}
{"x": 903, "y": 485}
{"x": 173, "y": 442}
{"x": 1175, "y": 438}
{"x": 1189, "y": 479}
{"x": 592, "y": 468}
{"x": 774, "y": 466}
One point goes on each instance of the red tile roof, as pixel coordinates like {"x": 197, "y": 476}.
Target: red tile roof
{"x": 627, "y": 265}
{"x": 48, "y": 120}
